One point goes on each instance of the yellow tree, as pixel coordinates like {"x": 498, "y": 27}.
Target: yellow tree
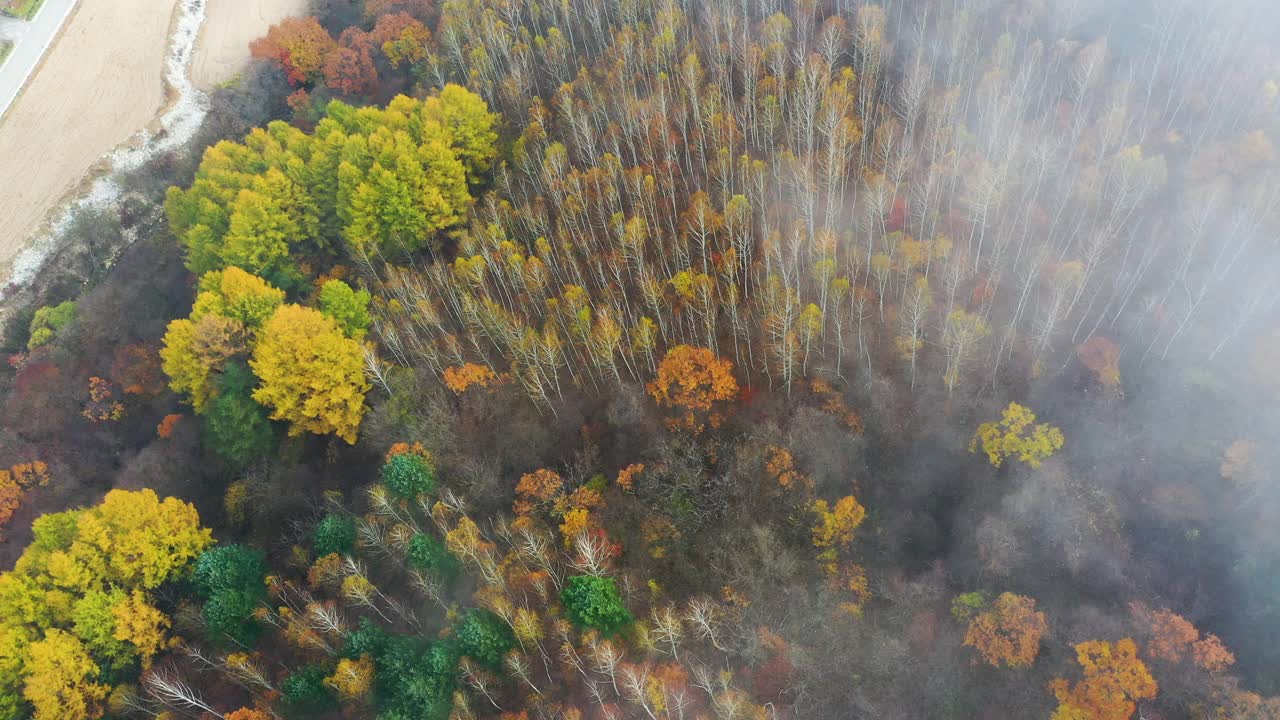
{"x": 60, "y": 677}
{"x": 1016, "y": 435}
{"x": 312, "y": 374}
{"x": 352, "y": 679}
{"x": 140, "y": 623}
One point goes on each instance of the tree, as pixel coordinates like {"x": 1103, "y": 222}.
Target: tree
{"x": 142, "y": 625}
{"x": 333, "y": 534}
{"x": 349, "y": 308}
{"x": 835, "y": 526}
{"x": 408, "y": 475}
{"x": 1114, "y": 681}
{"x": 428, "y": 554}
{"x": 48, "y": 322}
{"x": 237, "y": 295}
{"x": 591, "y": 601}
{"x": 691, "y": 380}
{"x": 350, "y": 71}
{"x": 228, "y": 614}
{"x": 312, "y": 375}
{"x": 1010, "y": 437}
{"x": 485, "y": 638}
{"x": 94, "y": 623}
{"x": 305, "y": 690}
{"x": 1102, "y": 357}
{"x": 468, "y": 375}
{"x": 60, "y": 679}
{"x": 132, "y": 540}
{"x": 470, "y": 127}
{"x": 1009, "y": 633}
{"x": 299, "y": 45}
{"x": 402, "y": 38}
{"x": 352, "y": 679}
{"x": 1172, "y": 638}
{"x": 236, "y": 427}
{"x": 246, "y": 714}
{"x": 230, "y": 567}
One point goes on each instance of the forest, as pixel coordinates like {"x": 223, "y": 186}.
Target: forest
{"x": 670, "y": 360}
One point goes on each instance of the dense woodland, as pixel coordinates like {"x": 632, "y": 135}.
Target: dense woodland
{"x": 669, "y": 360}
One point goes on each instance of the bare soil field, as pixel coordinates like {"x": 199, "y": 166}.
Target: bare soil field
{"x": 98, "y": 84}
{"x": 229, "y": 27}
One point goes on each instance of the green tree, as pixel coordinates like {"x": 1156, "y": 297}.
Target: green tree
{"x": 484, "y": 637}
{"x": 228, "y": 614}
{"x": 48, "y": 322}
{"x": 230, "y": 567}
{"x": 470, "y": 124}
{"x": 333, "y": 534}
{"x": 428, "y": 554}
{"x": 236, "y": 427}
{"x": 349, "y": 308}
{"x": 94, "y": 623}
{"x": 408, "y": 475}
{"x": 591, "y": 601}
{"x": 305, "y": 693}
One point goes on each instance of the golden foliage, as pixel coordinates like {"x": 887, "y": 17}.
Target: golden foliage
{"x": 140, "y": 623}
{"x": 352, "y": 679}
{"x": 835, "y": 526}
{"x": 627, "y": 476}
{"x": 468, "y": 375}
{"x": 1114, "y": 680}
{"x": 1102, "y": 357}
{"x": 537, "y": 489}
{"x": 312, "y": 374}
{"x": 1010, "y": 437}
{"x": 576, "y": 522}
{"x": 14, "y": 484}
{"x": 692, "y": 379}
{"x": 59, "y": 683}
{"x": 1008, "y": 634}
{"x": 102, "y": 406}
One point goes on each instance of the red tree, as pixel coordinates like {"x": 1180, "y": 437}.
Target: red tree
{"x": 299, "y": 46}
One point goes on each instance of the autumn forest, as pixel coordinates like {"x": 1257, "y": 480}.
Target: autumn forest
{"x": 669, "y": 360}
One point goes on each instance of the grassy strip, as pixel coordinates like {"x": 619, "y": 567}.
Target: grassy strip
{"x": 5, "y": 48}
{"x": 23, "y": 9}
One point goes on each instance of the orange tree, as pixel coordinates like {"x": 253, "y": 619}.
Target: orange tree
{"x": 1114, "y": 680}
{"x": 1009, "y": 633}
{"x": 691, "y": 380}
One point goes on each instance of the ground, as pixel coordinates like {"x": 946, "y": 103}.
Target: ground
{"x": 98, "y": 85}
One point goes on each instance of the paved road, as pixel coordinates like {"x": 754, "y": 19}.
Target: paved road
{"x": 32, "y": 40}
